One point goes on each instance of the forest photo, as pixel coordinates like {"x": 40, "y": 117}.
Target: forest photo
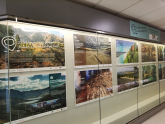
{"x": 161, "y": 53}
{"x": 31, "y": 95}
{"x": 90, "y": 50}
{"x": 32, "y": 46}
{"x": 148, "y": 53}
{"x": 149, "y": 74}
{"x": 87, "y": 84}
{"x": 161, "y": 71}
{"x": 126, "y": 52}
{"x": 127, "y": 78}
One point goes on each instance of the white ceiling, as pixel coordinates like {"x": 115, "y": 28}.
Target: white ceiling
{"x": 148, "y": 11}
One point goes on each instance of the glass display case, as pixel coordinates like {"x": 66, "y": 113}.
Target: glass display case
{"x": 50, "y": 74}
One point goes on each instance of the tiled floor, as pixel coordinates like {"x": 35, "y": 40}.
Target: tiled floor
{"x": 159, "y": 118}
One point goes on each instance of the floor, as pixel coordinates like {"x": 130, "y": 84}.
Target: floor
{"x": 159, "y": 118}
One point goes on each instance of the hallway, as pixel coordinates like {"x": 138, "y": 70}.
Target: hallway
{"x": 159, "y": 118}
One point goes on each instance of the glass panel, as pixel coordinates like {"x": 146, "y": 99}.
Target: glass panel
{"x": 53, "y": 71}
{"x": 4, "y": 87}
{"x": 161, "y": 64}
{"x": 121, "y": 106}
{"x": 86, "y": 77}
{"x": 32, "y": 59}
{"x": 148, "y": 93}
{"x": 76, "y": 77}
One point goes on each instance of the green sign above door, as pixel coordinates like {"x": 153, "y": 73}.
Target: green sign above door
{"x": 143, "y": 31}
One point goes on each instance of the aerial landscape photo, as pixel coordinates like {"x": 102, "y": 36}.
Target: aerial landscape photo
{"x": 33, "y": 47}
{"x": 31, "y": 95}
{"x": 90, "y": 50}
{"x": 4, "y": 102}
{"x": 148, "y": 53}
{"x": 149, "y": 74}
{"x": 161, "y": 71}
{"x": 126, "y": 52}
{"x": 127, "y": 78}
{"x": 87, "y": 84}
{"x": 161, "y": 53}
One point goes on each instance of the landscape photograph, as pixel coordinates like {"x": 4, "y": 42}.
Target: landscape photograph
{"x": 92, "y": 84}
{"x": 161, "y": 53}
{"x": 31, "y": 95}
{"x": 33, "y": 47}
{"x": 4, "y": 101}
{"x": 148, "y": 53}
{"x": 127, "y": 78}
{"x": 79, "y": 49}
{"x": 104, "y": 50}
{"x": 90, "y": 50}
{"x": 126, "y": 52}
{"x": 149, "y": 74}
{"x": 3, "y": 55}
{"x": 161, "y": 71}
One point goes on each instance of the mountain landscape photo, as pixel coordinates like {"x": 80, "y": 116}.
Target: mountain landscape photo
{"x": 35, "y": 47}
{"x": 30, "y": 95}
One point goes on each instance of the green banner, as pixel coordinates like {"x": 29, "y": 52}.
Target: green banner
{"x": 143, "y": 31}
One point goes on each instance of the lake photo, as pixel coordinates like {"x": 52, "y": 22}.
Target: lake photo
{"x": 126, "y": 52}
{"x": 31, "y": 95}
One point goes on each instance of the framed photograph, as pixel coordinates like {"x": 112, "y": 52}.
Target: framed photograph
{"x": 33, "y": 95}
{"x": 126, "y": 52}
{"x": 161, "y": 53}
{"x": 149, "y": 74}
{"x": 161, "y": 71}
{"x": 31, "y": 46}
{"x": 127, "y": 78}
{"x": 90, "y": 50}
{"x": 148, "y": 52}
{"x": 87, "y": 84}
